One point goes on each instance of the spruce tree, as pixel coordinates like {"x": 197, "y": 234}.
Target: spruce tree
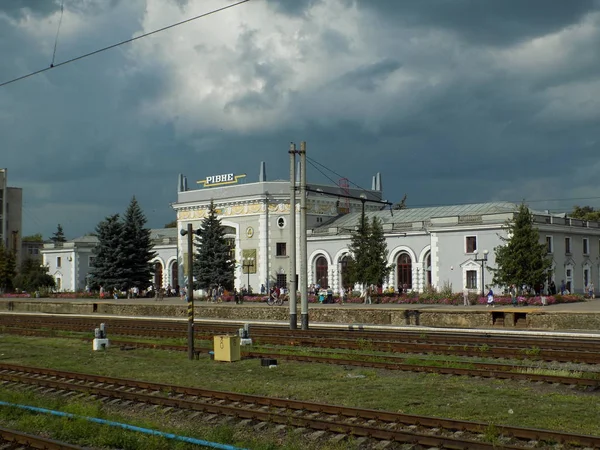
{"x": 378, "y": 268}
{"x": 7, "y": 268}
{"x": 107, "y": 270}
{"x": 59, "y": 235}
{"x": 212, "y": 264}
{"x": 522, "y": 260}
{"x": 358, "y": 263}
{"x": 136, "y": 248}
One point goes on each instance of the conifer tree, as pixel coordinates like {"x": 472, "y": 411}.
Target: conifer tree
{"x": 136, "y": 248}
{"x": 59, "y": 235}
{"x": 522, "y": 260}
{"x": 359, "y": 259}
{"x": 378, "y": 268}
{"x": 368, "y": 262}
{"x": 107, "y": 270}
{"x": 212, "y": 264}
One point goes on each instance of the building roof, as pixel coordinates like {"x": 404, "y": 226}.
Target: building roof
{"x": 423, "y": 214}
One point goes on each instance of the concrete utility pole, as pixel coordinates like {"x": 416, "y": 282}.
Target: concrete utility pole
{"x": 303, "y": 247}
{"x": 190, "y": 287}
{"x": 292, "y": 283}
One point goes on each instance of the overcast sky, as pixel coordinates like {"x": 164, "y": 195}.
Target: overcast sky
{"x": 452, "y": 101}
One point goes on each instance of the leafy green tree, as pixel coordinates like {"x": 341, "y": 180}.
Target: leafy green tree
{"x": 107, "y": 270}
{"x": 8, "y": 265}
{"x": 368, "y": 263}
{"x": 522, "y": 259}
{"x": 172, "y": 224}
{"x": 212, "y": 264}
{"x": 136, "y": 248}
{"x": 59, "y": 235}
{"x": 585, "y": 213}
{"x": 32, "y": 276}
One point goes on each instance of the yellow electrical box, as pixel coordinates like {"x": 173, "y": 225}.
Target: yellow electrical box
{"x": 227, "y": 348}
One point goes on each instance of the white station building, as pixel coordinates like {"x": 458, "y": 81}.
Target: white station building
{"x": 448, "y": 246}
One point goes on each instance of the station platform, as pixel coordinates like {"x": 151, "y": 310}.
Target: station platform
{"x": 583, "y": 316}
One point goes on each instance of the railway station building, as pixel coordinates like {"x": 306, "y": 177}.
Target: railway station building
{"x": 447, "y": 246}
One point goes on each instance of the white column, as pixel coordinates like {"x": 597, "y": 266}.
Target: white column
{"x": 263, "y": 246}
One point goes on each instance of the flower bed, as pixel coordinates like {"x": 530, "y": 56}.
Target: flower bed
{"x": 23, "y": 295}
{"x": 534, "y": 301}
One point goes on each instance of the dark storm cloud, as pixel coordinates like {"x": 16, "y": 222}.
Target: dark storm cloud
{"x": 293, "y": 7}
{"x": 491, "y": 22}
{"x": 368, "y": 77}
{"x": 17, "y": 8}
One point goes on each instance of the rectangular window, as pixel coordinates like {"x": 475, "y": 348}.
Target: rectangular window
{"x": 281, "y": 280}
{"x": 471, "y": 244}
{"x": 549, "y": 246}
{"x": 58, "y": 261}
{"x": 231, "y": 244}
{"x": 471, "y": 279}
{"x": 281, "y": 249}
{"x": 568, "y": 245}
{"x": 586, "y": 246}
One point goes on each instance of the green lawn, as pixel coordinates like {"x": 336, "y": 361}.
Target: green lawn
{"x": 499, "y": 402}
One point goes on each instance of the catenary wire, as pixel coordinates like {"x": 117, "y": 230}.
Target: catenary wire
{"x": 542, "y": 200}
{"x": 127, "y": 41}
{"x": 62, "y": 11}
{"x": 334, "y": 172}
{"x": 322, "y": 173}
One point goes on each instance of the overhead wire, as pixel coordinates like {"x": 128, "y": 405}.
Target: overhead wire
{"x": 314, "y": 163}
{"x": 334, "y": 172}
{"x": 62, "y": 11}
{"x": 127, "y": 41}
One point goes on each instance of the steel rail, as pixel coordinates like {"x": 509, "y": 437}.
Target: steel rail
{"x": 457, "y": 338}
{"x": 29, "y": 441}
{"x": 483, "y": 350}
{"x": 96, "y": 385}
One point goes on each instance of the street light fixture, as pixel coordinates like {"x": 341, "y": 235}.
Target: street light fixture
{"x": 247, "y": 263}
{"x": 190, "y": 232}
{"x": 482, "y": 260}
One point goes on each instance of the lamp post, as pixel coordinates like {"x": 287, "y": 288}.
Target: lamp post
{"x": 190, "y": 232}
{"x": 482, "y": 260}
{"x": 247, "y": 263}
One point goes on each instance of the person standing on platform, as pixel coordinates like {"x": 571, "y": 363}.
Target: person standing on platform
{"x": 465, "y": 297}
{"x": 513, "y": 294}
{"x": 490, "y": 298}
{"x": 563, "y": 287}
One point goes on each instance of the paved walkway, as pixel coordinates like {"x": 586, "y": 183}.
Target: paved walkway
{"x": 589, "y": 306}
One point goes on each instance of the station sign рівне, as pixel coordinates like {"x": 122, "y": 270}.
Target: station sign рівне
{"x": 220, "y": 180}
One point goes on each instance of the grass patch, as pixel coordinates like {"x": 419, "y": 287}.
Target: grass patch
{"x": 558, "y": 408}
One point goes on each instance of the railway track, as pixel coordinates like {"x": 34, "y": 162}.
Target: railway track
{"x": 470, "y": 369}
{"x": 331, "y": 421}
{"x": 458, "y": 344}
{"x": 15, "y": 440}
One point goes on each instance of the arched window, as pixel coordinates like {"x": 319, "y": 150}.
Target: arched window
{"x": 428, "y": 268}
{"x": 344, "y": 271}
{"x": 174, "y": 274}
{"x": 405, "y": 270}
{"x": 321, "y": 272}
{"x": 158, "y": 275}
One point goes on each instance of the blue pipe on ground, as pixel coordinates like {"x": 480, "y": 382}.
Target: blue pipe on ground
{"x": 176, "y": 437}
